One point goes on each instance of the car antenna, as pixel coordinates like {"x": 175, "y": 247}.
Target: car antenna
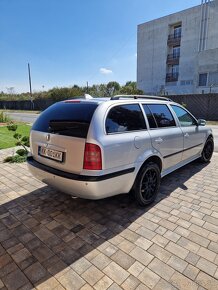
{"x": 88, "y": 97}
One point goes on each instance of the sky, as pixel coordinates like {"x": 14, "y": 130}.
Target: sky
{"x": 71, "y": 42}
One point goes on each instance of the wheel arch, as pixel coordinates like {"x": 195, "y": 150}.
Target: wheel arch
{"x": 155, "y": 159}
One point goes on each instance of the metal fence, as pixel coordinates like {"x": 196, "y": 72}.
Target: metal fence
{"x": 203, "y": 106}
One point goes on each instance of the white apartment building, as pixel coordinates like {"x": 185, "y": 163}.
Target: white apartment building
{"x": 178, "y": 53}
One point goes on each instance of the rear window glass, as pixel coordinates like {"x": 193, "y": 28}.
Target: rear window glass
{"x": 125, "y": 118}
{"x": 69, "y": 119}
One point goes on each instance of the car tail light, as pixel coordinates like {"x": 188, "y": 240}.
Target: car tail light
{"x": 92, "y": 157}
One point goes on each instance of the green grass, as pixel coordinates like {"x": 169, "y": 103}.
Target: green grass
{"x": 6, "y": 137}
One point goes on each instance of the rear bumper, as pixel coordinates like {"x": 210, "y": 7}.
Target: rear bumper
{"x": 90, "y": 187}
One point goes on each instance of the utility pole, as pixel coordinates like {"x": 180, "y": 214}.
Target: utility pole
{"x": 30, "y": 84}
{"x": 87, "y": 87}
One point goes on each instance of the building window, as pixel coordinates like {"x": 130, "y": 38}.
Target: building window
{"x": 176, "y": 51}
{"x": 175, "y": 69}
{"x": 177, "y": 31}
{"x": 186, "y": 83}
{"x": 202, "y": 80}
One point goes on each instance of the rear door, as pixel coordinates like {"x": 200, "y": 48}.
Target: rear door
{"x": 194, "y": 135}
{"x": 126, "y": 137}
{"x": 166, "y": 136}
{"x": 59, "y": 134}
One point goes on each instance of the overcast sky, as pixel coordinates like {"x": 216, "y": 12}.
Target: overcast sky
{"x": 70, "y": 42}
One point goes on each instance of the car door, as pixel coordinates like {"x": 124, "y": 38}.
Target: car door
{"x": 194, "y": 136}
{"x": 126, "y": 136}
{"x": 166, "y": 136}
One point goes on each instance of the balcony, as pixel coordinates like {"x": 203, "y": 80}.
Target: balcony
{"x": 173, "y": 59}
{"x": 174, "y": 39}
{"x": 172, "y": 77}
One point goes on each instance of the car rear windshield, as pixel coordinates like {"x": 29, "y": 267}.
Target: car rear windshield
{"x": 64, "y": 118}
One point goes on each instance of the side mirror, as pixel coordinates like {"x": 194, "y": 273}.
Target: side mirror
{"x": 201, "y": 122}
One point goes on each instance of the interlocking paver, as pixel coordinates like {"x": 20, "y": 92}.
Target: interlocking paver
{"x": 160, "y": 253}
{"x": 15, "y": 280}
{"x": 131, "y": 283}
{"x": 71, "y": 280}
{"x": 206, "y": 266}
{"x": 191, "y": 272}
{"x": 103, "y": 283}
{"x": 50, "y": 241}
{"x": 141, "y": 255}
{"x": 116, "y": 273}
{"x": 177, "y": 250}
{"x": 35, "y": 272}
{"x": 177, "y": 263}
{"x": 206, "y": 281}
{"x": 181, "y": 282}
{"x": 161, "y": 269}
{"x": 92, "y": 275}
{"x": 149, "y": 278}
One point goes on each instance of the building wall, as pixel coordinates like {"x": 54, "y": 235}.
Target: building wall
{"x": 153, "y": 50}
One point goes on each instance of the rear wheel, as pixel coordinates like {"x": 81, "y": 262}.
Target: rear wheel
{"x": 207, "y": 151}
{"x": 147, "y": 184}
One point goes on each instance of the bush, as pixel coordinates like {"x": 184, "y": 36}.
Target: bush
{"x": 21, "y": 152}
{"x": 3, "y": 117}
{"x": 11, "y": 126}
{"x": 16, "y": 159}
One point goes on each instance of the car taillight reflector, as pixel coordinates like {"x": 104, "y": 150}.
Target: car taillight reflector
{"x": 92, "y": 157}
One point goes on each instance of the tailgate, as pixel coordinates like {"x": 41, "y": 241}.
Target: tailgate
{"x": 46, "y": 149}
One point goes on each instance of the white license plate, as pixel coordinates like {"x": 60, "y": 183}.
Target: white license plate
{"x": 51, "y": 154}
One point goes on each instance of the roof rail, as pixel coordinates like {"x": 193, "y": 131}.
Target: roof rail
{"x": 117, "y": 97}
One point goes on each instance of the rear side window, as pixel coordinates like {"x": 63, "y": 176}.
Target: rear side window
{"x": 159, "y": 116}
{"x": 69, "y": 119}
{"x": 125, "y": 118}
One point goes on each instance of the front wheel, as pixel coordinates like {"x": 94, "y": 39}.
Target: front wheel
{"x": 147, "y": 184}
{"x": 207, "y": 151}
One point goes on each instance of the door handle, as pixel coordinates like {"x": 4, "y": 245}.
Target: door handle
{"x": 186, "y": 135}
{"x": 159, "y": 140}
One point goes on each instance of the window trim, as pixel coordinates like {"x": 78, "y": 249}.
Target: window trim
{"x": 125, "y": 132}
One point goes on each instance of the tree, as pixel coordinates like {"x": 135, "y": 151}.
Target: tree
{"x": 112, "y": 88}
{"x": 130, "y": 88}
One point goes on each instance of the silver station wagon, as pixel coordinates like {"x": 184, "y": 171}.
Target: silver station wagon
{"x": 99, "y": 147}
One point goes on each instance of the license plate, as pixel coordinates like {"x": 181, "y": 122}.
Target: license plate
{"x": 51, "y": 154}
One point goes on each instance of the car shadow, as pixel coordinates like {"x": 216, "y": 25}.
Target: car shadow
{"x": 46, "y": 231}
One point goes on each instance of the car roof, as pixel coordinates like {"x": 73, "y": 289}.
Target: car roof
{"x": 121, "y": 99}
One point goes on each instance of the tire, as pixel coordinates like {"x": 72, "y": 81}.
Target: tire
{"x": 147, "y": 184}
{"x": 207, "y": 152}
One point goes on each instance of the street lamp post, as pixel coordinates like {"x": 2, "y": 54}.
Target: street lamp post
{"x": 30, "y": 84}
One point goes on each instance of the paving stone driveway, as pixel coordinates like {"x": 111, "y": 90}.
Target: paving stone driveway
{"x": 49, "y": 240}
